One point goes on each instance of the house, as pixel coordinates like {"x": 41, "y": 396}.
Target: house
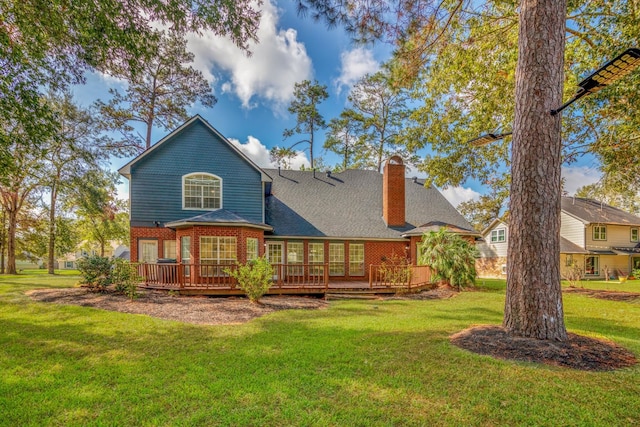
{"x": 197, "y": 199}
{"x": 594, "y": 236}
{"x": 69, "y": 261}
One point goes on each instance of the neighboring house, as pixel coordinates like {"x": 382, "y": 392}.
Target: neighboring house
{"x": 594, "y": 236}
{"x": 196, "y": 198}
{"x": 70, "y": 260}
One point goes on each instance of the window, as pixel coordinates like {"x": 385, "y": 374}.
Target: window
{"x": 356, "y": 259}
{"x": 215, "y": 254}
{"x": 252, "y": 248}
{"x": 634, "y": 234}
{"x": 316, "y": 256}
{"x": 569, "y": 261}
{"x": 147, "y": 250}
{"x": 169, "y": 249}
{"x": 295, "y": 255}
{"x": 499, "y": 235}
{"x": 592, "y": 266}
{"x": 201, "y": 191}
{"x": 185, "y": 254}
{"x": 599, "y": 232}
{"x": 68, "y": 264}
{"x": 336, "y": 259}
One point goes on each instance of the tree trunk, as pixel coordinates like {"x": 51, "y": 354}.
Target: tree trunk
{"x": 52, "y": 230}
{"x": 11, "y": 242}
{"x": 533, "y": 306}
{"x": 3, "y": 240}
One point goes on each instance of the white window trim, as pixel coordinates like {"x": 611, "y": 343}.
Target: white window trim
{"x": 631, "y": 234}
{"x": 184, "y": 177}
{"x": 496, "y": 231}
{"x": 593, "y": 233}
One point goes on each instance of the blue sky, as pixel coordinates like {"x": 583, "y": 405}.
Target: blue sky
{"x": 254, "y": 92}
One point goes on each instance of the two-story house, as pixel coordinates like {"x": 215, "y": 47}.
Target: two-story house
{"x": 595, "y": 236}
{"x": 196, "y": 198}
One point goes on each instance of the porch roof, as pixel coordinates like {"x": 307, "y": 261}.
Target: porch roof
{"x": 568, "y": 247}
{"x": 219, "y": 217}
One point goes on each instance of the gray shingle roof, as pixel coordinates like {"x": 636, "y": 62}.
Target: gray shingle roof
{"x": 348, "y": 205}
{"x": 568, "y": 247}
{"x": 592, "y": 211}
{"x": 220, "y": 216}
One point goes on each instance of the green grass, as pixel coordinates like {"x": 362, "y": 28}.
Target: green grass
{"x": 358, "y": 363}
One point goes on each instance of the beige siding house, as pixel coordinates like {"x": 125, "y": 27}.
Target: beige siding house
{"x": 598, "y": 238}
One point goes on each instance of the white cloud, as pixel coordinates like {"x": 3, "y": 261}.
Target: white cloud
{"x": 579, "y": 176}
{"x": 457, "y": 195}
{"x": 259, "y": 153}
{"x": 355, "y": 64}
{"x": 277, "y": 62}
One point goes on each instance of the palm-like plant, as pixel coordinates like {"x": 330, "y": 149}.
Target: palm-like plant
{"x": 450, "y": 256}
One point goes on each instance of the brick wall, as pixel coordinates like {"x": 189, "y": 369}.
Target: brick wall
{"x": 158, "y": 233}
{"x": 393, "y": 193}
{"x": 491, "y": 268}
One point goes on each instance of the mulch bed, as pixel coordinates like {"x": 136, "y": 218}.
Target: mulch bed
{"x": 608, "y": 295}
{"x": 579, "y": 352}
{"x": 189, "y": 309}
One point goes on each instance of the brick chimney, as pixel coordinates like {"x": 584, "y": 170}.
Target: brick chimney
{"x": 393, "y": 192}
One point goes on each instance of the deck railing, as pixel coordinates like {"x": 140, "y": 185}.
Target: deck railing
{"x": 217, "y": 276}
{"x": 398, "y": 276}
{"x": 286, "y": 276}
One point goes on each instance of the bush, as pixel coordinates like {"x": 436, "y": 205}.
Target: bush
{"x": 124, "y": 276}
{"x": 95, "y": 271}
{"x": 395, "y": 270}
{"x": 573, "y": 274}
{"x": 452, "y": 258}
{"x": 254, "y": 278}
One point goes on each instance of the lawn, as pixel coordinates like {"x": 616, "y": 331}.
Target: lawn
{"x": 356, "y": 363}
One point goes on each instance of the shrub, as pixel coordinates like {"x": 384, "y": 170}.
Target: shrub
{"x": 254, "y": 278}
{"x": 452, "y": 258}
{"x": 95, "y": 271}
{"x": 124, "y": 276}
{"x": 395, "y": 270}
{"x": 573, "y": 274}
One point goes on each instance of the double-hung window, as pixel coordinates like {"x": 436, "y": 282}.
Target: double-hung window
{"x": 634, "y": 234}
{"x": 599, "y": 232}
{"x": 499, "y": 235}
{"x": 201, "y": 191}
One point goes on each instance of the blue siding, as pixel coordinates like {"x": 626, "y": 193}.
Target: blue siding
{"x": 156, "y": 180}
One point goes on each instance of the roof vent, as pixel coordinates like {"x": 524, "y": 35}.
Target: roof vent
{"x": 328, "y": 174}
{"x": 415, "y": 179}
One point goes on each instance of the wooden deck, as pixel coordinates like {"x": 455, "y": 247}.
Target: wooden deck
{"x": 289, "y": 279}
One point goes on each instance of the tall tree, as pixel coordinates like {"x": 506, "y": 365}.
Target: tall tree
{"x": 481, "y": 213}
{"x": 380, "y": 113}
{"x": 19, "y": 183}
{"x": 342, "y": 139}
{"x": 76, "y": 148}
{"x": 306, "y": 98}
{"x": 533, "y": 306}
{"x": 48, "y": 46}
{"x": 159, "y": 90}
{"x": 282, "y": 156}
{"x": 422, "y": 32}
{"x": 101, "y": 216}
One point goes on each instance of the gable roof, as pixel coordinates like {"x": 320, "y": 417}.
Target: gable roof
{"x": 348, "y": 205}
{"x": 126, "y": 169}
{"x": 437, "y": 225}
{"x": 591, "y": 211}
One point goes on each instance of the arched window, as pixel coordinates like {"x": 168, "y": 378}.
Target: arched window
{"x": 201, "y": 191}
